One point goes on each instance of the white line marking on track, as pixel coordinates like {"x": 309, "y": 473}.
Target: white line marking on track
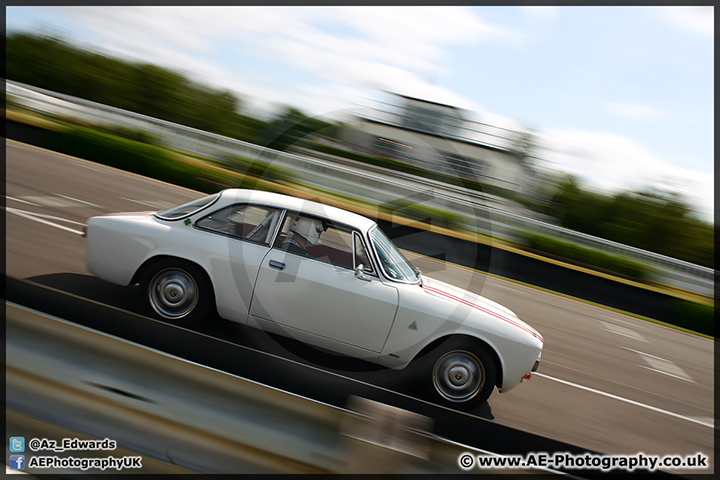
{"x": 625, "y": 332}
{"x": 49, "y": 217}
{"x": 77, "y": 200}
{"x": 663, "y": 366}
{"x": 700, "y": 420}
{"x": 680, "y": 377}
{"x": 630, "y": 324}
{"x": 21, "y": 201}
{"x": 153, "y": 205}
{"x": 52, "y": 201}
{"x": 89, "y": 166}
{"x": 646, "y": 354}
{"x": 36, "y": 217}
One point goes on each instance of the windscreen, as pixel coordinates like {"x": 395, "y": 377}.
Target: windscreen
{"x": 392, "y": 261}
{"x": 188, "y": 208}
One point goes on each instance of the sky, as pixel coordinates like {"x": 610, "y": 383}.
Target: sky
{"x": 622, "y": 97}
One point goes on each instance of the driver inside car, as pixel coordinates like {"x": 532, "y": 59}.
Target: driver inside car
{"x": 305, "y": 232}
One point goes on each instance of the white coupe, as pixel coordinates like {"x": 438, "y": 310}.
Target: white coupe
{"x": 318, "y": 274}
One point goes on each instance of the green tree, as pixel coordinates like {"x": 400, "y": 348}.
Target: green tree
{"x": 55, "y": 64}
{"x": 289, "y": 126}
{"x": 653, "y": 220}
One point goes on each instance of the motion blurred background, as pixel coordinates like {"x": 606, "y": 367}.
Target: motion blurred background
{"x": 569, "y": 148}
{"x": 619, "y": 151}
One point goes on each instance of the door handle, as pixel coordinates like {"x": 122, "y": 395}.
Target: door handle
{"x": 276, "y": 264}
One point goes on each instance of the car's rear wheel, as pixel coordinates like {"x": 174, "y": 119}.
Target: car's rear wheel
{"x": 177, "y": 291}
{"x": 459, "y": 373}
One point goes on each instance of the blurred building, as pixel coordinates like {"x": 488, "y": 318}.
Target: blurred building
{"x": 443, "y": 139}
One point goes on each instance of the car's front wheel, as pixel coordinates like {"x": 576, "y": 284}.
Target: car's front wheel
{"x": 459, "y": 373}
{"x": 177, "y": 291}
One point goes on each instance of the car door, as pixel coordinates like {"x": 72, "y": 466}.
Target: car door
{"x": 236, "y": 239}
{"x": 317, "y": 297}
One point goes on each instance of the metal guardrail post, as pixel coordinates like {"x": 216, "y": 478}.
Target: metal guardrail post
{"x": 381, "y": 438}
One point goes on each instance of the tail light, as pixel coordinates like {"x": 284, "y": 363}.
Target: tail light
{"x": 534, "y": 369}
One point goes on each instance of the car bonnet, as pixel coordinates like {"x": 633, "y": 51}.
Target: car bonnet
{"x": 473, "y": 300}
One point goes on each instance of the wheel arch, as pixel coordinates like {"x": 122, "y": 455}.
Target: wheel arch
{"x": 150, "y": 263}
{"x": 477, "y": 341}
{"x": 207, "y": 304}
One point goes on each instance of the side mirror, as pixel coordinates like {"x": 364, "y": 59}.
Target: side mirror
{"x": 360, "y": 273}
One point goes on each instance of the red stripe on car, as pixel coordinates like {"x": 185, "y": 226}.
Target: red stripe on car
{"x": 483, "y": 309}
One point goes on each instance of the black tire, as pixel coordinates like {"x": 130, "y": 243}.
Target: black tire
{"x": 177, "y": 291}
{"x": 459, "y": 373}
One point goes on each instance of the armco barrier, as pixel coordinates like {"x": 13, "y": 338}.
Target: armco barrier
{"x": 486, "y": 258}
{"x": 198, "y": 418}
{"x": 377, "y": 186}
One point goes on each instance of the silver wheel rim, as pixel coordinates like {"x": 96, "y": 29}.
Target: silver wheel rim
{"x": 458, "y": 376}
{"x": 173, "y": 293}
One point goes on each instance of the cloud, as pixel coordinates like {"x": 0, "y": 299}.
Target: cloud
{"x": 636, "y": 112}
{"x": 419, "y": 27}
{"x": 698, "y": 20}
{"x": 613, "y": 162}
{"x": 326, "y": 59}
{"x": 607, "y": 159}
{"x": 392, "y": 48}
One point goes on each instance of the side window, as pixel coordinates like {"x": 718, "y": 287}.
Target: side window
{"x": 249, "y": 222}
{"x": 317, "y": 238}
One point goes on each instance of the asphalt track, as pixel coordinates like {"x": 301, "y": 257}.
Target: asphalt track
{"x": 608, "y": 382}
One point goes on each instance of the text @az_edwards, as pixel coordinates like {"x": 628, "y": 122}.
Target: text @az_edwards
{"x": 70, "y": 444}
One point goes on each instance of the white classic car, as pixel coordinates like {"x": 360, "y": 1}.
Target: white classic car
{"x": 318, "y": 274}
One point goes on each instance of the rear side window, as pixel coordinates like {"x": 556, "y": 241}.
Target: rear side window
{"x": 187, "y": 209}
{"x": 248, "y": 222}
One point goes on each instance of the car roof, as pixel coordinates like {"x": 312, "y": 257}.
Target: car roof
{"x": 238, "y": 195}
